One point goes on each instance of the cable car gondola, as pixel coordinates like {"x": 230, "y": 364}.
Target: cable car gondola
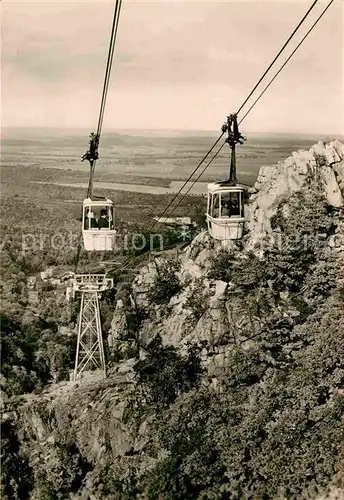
{"x": 98, "y": 224}
{"x": 98, "y": 229}
{"x": 225, "y": 211}
{"x": 225, "y": 208}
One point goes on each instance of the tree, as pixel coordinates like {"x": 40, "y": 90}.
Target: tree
{"x": 166, "y": 283}
{"x": 164, "y": 374}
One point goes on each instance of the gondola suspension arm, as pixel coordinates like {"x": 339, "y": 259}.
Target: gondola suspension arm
{"x": 234, "y": 137}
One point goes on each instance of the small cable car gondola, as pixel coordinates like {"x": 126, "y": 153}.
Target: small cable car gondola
{"x": 98, "y": 228}
{"x": 98, "y": 224}
{"x": 225, "y": 208}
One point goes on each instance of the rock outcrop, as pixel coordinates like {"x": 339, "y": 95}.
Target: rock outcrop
{"x": 124, "y": 326}
{"x": 278, "y": 182}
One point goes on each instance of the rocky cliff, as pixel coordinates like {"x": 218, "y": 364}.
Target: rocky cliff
{"x": 79, "y": 440}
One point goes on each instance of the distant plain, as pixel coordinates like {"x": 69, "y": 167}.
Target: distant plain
{"x": 44, "y": 166}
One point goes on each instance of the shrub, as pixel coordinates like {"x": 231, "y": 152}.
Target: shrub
{"x": 16, "y": 473}
{"x": 62, "y": 472}
{"x": 197, "y": 299}
{"x": 221, "y": 265}
{"x": 309, "y": 217}
{"x": 165, "y": 374}
{"x": 33, "y": 355}
{"x": 166, "y": 283}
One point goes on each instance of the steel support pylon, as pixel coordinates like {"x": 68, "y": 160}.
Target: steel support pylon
{"x": 90, "y": 349}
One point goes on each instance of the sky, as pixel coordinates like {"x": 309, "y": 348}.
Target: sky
{"x": 178, "y": 65}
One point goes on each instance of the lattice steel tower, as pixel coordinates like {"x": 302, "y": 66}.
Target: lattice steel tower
{"x": 90, "y": 349}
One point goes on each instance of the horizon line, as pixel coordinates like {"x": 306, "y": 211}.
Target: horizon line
{"x": 165, "y": 129}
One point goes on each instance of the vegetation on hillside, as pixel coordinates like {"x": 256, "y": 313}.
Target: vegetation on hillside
{"x": 32, "y": 355}
{"x": 274, "y": 427}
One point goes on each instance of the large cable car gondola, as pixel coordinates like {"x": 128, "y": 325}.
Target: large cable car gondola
{"x": 225, "y": 208}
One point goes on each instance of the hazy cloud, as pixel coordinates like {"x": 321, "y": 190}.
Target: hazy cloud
{"x": 180, "y": 64}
